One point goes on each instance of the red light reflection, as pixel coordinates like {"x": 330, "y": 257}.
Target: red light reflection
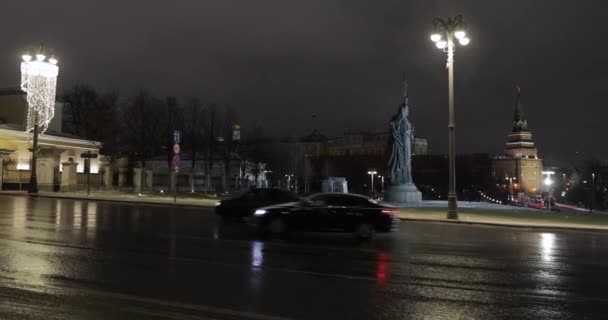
{"x": 382, "y": 266}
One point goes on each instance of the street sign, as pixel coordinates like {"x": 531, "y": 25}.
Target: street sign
{"x": 177, "y": 136}
{"x": 175, "y": 162}
{"x": 176, "y": 148}
{"x": 89, "y": 155}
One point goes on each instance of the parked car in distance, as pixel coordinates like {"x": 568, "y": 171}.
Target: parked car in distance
{"x": 245, "y": 204}
{"x": 327, "y": 212}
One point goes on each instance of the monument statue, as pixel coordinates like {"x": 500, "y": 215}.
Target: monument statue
{"x": 402, "y": 188}
{"x": 402, "y": 135}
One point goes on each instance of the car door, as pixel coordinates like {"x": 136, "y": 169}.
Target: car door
{"x": 346, "y": 212}
{"x": 319, "y": 212}
{"x": 307, "y": 216}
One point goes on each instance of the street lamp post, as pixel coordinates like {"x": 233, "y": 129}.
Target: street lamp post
{"x": 548, "y": 183}
{"x": 445, "y": 32}
{"x": 39, "y": 81}
{"x": 372, "y": 173}
{"x": 592, "y": 192}
{"x": 288, "y": 176}
{"x": 511, "y": 186}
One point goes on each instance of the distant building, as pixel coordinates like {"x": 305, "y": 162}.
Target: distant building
{"x": 369, "y": 144}
{"x": 520, "y": 160}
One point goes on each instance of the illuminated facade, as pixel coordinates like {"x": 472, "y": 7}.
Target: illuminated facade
{"x": 520, "y": 160}
{"x": 55, "y": 147}
{"x": 369, "y": 144}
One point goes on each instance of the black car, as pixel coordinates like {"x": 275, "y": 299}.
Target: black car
{"x": 327, "y": 212}
{"x": 245, "y": 204}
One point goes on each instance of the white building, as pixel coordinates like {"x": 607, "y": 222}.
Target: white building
{"x": 55, "y": 148}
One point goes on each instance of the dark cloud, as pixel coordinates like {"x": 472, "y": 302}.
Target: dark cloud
{"x": 277, "y": 62}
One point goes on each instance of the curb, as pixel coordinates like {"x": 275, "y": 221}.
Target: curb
{"x": 508, "y": 225}
{"x": 189, "y": 205}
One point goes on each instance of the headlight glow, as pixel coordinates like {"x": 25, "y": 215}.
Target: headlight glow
{"x": 259, "y": 212}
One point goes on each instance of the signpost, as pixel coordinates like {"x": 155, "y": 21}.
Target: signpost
{"x": 175, "y": 162}
{"x": 87, "y": 156}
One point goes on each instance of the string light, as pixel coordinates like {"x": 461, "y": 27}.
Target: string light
{"x": 490, "y": 199}
{"x": 39, "y": 81}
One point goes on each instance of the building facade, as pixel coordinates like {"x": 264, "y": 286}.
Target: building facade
{"x": 56, "y": 148}
{"x": 520, "y": 162}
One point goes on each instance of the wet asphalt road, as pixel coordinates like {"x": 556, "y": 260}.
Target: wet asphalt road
{"x": 72, "y": 259}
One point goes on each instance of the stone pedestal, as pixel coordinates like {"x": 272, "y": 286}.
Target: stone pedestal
{"x": 47, "y": 166}
{"x": 69, "y": 180}
{"x": 122, "y": 177}
{"x": 137, "y": 185}
{"x": 405, "y": 193}
{"x": 107, "y": 176}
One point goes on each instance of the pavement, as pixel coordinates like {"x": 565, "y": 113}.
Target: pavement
{"x": 144, "y": 198}
{"x": 469, "y": 215}
{"x": 82, "y": 259}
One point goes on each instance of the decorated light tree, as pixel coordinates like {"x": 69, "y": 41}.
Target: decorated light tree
{"x": 39, "y": 81}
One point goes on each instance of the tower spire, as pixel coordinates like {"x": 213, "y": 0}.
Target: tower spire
{"x": 519, "y": 141}
{"x": 519, "y": 118}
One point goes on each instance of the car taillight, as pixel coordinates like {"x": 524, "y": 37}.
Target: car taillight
{"x": 389, "y": 211}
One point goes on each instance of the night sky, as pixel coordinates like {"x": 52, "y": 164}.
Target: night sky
{"x": 277, "y": 62}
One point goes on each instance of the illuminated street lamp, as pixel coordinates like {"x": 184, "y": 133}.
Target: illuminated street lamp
{"x": 511, "y": 186}
{"x": 372, "y": 173}
{"x": 39, "y": 81}
{"x": 381, "y": 184}
{"x": 288, "y": 176}
{"x": 548, "y": 182}
{"x": 444, "y": 35}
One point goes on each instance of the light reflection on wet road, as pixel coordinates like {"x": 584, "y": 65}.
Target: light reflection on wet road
{"x": 74, "y": 259}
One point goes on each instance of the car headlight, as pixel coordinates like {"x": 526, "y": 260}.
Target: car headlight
{"x": 218, "y": 203}
{"x": 259, "y": 212}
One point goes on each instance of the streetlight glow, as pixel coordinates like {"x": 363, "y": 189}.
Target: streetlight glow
{"x": 464, "y": 41}
{"x": 435, "y": 37}
{"x": 459, "y": 34}
{"x": 40, "y": 57}
{"x": 52, "y": 60}
{"x": 26, "y": 57}
{"x": 441, "y": 44}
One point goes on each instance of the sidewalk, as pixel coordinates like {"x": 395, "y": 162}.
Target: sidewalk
{"x": 469, "y": 213}
{"x": 592, "y": 223}
{"x": 116, "y": 196}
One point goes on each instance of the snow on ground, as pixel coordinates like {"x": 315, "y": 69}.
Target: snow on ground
{"x": 461, "y": 204}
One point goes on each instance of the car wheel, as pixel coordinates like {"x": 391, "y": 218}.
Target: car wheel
{"x": 364, "y": 231}
{"x": 277, "y": 226}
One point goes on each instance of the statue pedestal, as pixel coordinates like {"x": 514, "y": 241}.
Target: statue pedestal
{"x": 404, "y": 193}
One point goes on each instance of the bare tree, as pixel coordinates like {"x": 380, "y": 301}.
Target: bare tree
{"x": 255, "y": 151}
{"x": 81, "y": 103}
{"x": 211, "y": 126}
{"x": 111, "y": 133}
{"x": 142, "y": 117}
{"x": 193, "y": 128}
